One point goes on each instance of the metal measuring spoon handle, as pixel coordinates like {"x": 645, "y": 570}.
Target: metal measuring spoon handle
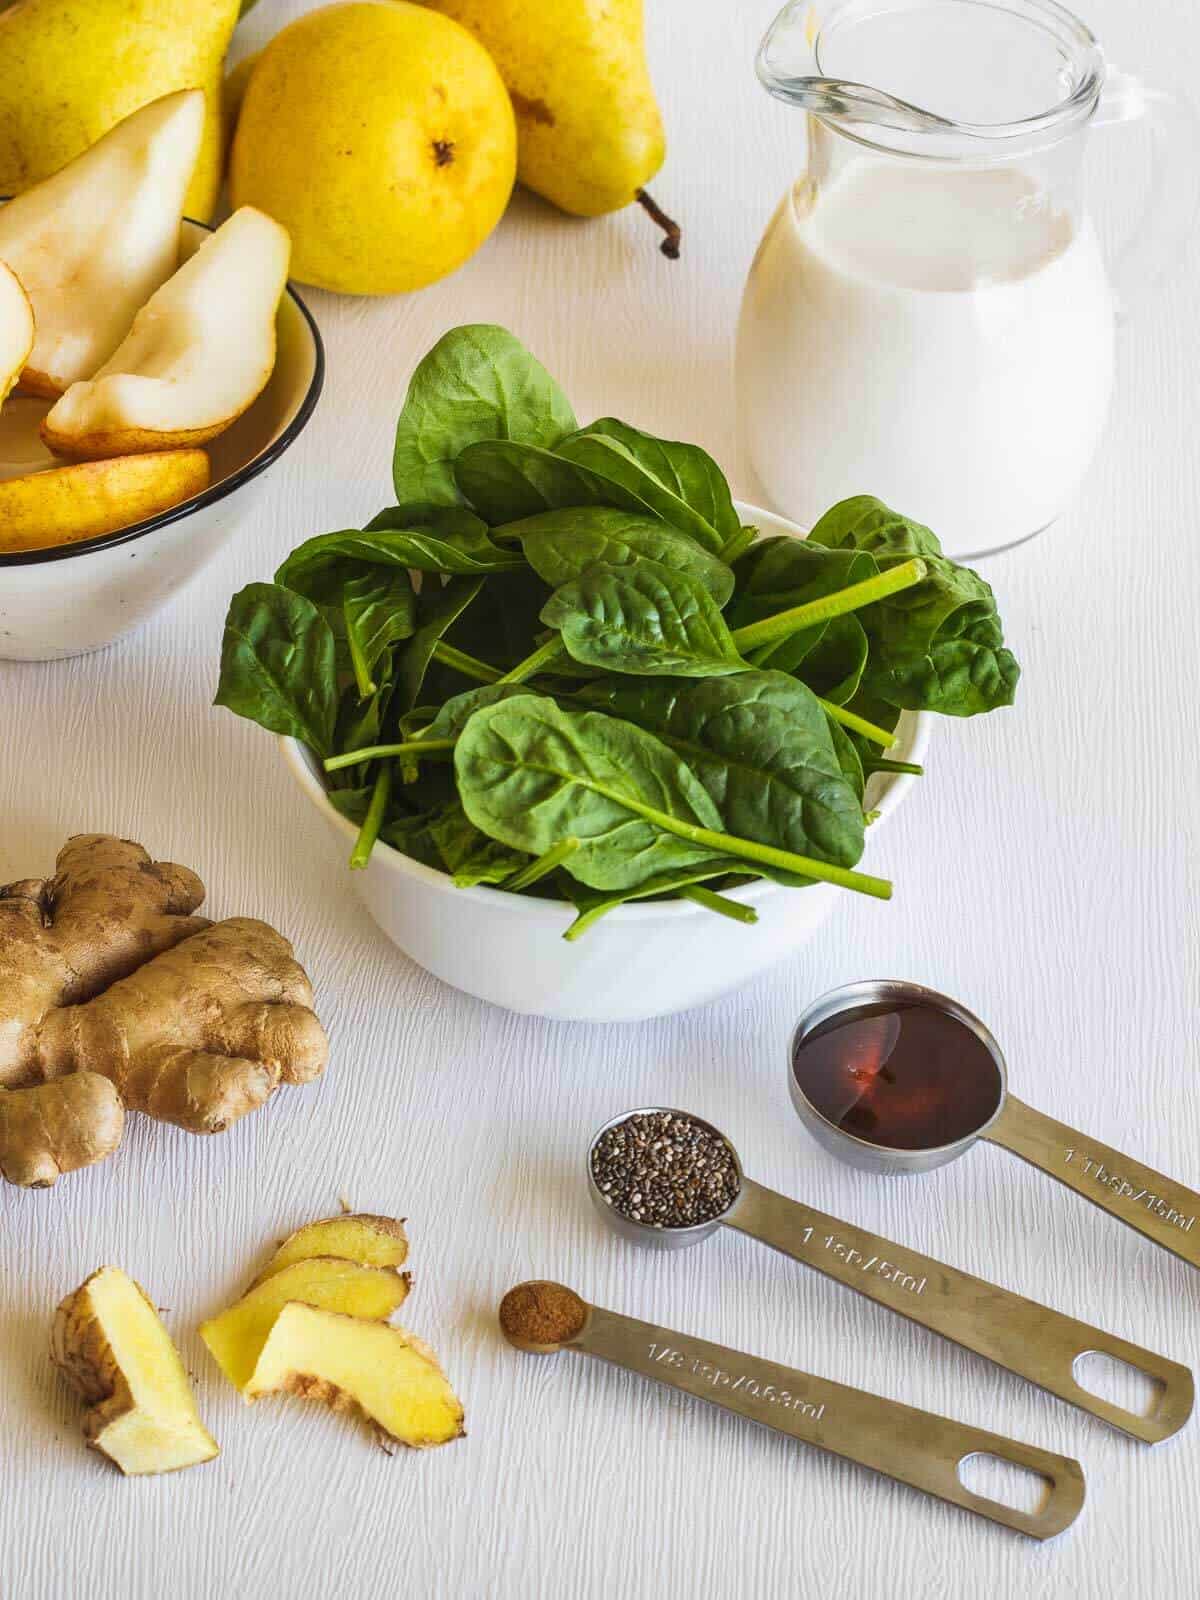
{"x": 1165, "y": 1211}
{"x": 1028, "y": 1338}
{"x": 914, "y": 1447}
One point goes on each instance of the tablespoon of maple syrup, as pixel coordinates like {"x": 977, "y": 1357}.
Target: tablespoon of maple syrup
{"x": 895, "y": 1078}
{"x": 900, "y": 1074}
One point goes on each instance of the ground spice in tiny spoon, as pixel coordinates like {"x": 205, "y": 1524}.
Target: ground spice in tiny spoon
{"x": 541, "y": 1316}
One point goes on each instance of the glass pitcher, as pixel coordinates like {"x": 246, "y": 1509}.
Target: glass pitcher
{"x": 929, "y": 318}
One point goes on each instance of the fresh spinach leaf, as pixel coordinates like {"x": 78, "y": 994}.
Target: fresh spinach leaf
{"x": 500, "y": 626}
{"x": 759, "y": 743}
{"x": 646, "y": 620}
{"x": 848, "y": 757}
{"x": 681, "y": 482}
{"x": 437, "y": 608}
{"x": 411, "y": 835}
{"x": 829, "y": 658}
{"x": 782, "y": 571}
{"x": 530, "y": 774}
{"x": 469, "y": 856}
{"x": 560, "y": 545}
{"x": 452, "y": 541}
{"x": 478, "y": 382}
{"x": 352, "y": 803}
{"x": 457, "y": 711}
{"x": 533, "y": 775}
{"x": 938, "y": 646}
{"x": 505, "y": 481}
{"x": 278, "y": 665}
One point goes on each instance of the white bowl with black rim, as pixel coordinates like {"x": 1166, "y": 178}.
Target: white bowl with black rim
{"x": 645, "y": 959}
{"x": 72, "y": 598}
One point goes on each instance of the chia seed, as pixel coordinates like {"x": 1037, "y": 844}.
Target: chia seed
{"x": 664, "y": 1170}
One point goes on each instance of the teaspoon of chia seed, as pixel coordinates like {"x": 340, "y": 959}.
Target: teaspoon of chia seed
{"x": 668, "y": 1179}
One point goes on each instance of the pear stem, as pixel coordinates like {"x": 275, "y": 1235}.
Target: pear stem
{"x": 670, "y": 245}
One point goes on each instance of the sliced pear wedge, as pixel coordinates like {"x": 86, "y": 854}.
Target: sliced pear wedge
{"x": 93, "y": 243}
{"x": 89, "y": 498}
{"x": 16, "y": 329}
{"x": 199, "y": 353}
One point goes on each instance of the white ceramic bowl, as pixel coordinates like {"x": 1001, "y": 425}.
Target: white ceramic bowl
{"x": 79, "y": 597}
{"x": 641, "y": 960}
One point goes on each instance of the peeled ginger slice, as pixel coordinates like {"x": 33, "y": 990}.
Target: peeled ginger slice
{"x": 384, "y": 1373}
{"x": 109, "y": 1341}
{"x": 357, "y": 1236}
{"x": 237, "y": 1336}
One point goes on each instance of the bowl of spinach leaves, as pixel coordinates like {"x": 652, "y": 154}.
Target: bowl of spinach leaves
{"x": 601, "y": 742}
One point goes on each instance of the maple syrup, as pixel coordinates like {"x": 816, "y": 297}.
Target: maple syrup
{"x": 902, "y": 1074}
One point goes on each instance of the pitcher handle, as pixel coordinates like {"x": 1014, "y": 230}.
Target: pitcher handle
{"x": 1173, "y": 197}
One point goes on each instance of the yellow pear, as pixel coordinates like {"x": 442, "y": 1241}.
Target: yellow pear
{"x": 92, "y": 244}
{"x": 66, "y": 504}
{"x": 381, "y": 136}
{"x": 16, "y": 329}
{"x": 590, "y": 136}
{"x": 199, "y": 352}
{"x": 75, "y": 68}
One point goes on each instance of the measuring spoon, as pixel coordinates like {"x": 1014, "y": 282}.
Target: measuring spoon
{"x": 914, "y": 1447}
{"x": 1028, "y": 1338}
{"x": 1161, "y": 1209}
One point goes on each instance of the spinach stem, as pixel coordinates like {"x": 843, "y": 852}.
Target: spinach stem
{"x": 737, "y": 545}
{"x": 362, "y": 673}
{"x": 373, "y": 821}
{"x": 878, "y": 764}
{"x": 729, "y": 844}
{"x": 543, "y": 656}
{"x": 589, "y": 919}
{"x": 462, "y": 662}
{"x": 376, "y": 752}
{"x": 784, "y": 623}
{"x": 545, "y": 864}
{"x": 724, "y": 907}
{"x": 857, "y": 724}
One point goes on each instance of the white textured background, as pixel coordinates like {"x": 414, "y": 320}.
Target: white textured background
{"x": 1047, "y": 873}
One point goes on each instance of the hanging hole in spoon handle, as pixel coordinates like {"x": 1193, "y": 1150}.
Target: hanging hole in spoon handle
{"x": 1165, "y": 1211}
{"x": 1034, "y": 1341}
{"x": 914, "y": 1447}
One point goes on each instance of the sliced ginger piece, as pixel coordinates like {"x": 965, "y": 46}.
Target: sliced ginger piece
{"x": 357, "y": 1236}
{"x": 109, "y": 1341}
{"x": 237, "y": 1336}
{"x": 384, "y": 1373}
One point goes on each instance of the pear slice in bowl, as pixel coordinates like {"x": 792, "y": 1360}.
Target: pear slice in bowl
{"x": 88, "y": 498}
{"x": 93, "y": 243}
{"x": 198, "y": 355}
{"x": 16, "y": 329}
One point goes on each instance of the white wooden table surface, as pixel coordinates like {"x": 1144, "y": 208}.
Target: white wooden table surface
{"x": 1047, "y": 873}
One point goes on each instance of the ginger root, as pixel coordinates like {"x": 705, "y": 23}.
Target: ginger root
{"x": 237, "y": 1336}
{"x": 109, "y": 1341}
{"x": 357, "y": 1236}
{"x": 114, "y": 997}
{"x": 57, "y": 1128}
{"x": 107, "y": 909}
{"x": 389, "y": 1376}
{"x": 200, "y": 1035}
